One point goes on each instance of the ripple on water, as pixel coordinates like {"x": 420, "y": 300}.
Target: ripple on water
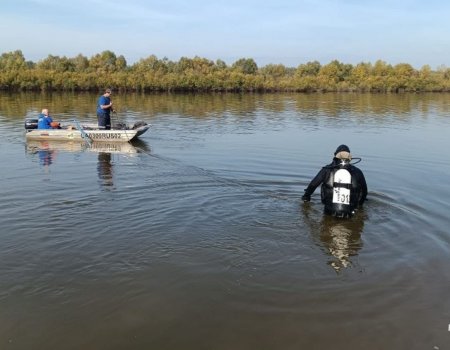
{"x": 203, "y": 234}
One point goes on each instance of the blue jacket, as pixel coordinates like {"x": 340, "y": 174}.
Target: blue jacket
{"x": 44, "y": 121}
{"x": 103, "y": 100}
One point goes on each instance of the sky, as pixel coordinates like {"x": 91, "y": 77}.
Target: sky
{"x": 269, "y": 31}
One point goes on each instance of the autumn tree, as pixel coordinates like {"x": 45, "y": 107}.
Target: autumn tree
{"x": 245, "y": 65}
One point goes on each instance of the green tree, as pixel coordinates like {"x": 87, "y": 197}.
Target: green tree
{"x": 308, "y": 69}
{"x": 274, "y": 70}
{"x": 56, "y": 63}
{"x": 245, "y": 65}
{"x": 80, "y": 63}
{"x": 360, "y": 76}
{"x": 382, "y": 69}
{"x": 13, "y": 61}
{"x": 121, "y": 63}
{"x": 107, "y": 62}
{"x": 221, "y": 65}
{"x": 151, "y": 63}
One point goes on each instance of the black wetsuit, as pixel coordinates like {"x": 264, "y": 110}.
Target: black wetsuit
{"x": 358, "y": 187}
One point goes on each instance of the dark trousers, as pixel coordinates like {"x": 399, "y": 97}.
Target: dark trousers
{"x": 104, "y": 121}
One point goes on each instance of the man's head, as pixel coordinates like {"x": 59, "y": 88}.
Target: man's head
{"x": 45, "y": 111}
{"x": 343, "y": 153}
{"x": 108, "y": 91}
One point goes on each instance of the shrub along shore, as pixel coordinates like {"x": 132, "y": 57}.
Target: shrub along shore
{"x": 197, "y": 74}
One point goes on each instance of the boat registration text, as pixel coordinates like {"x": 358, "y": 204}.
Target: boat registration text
{"x": 109, "y": 136}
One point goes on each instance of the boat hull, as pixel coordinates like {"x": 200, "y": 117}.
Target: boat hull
{"x": 94, "y": 135}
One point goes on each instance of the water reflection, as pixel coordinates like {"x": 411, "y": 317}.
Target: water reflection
{"x": 47, "y": 151}
{"x": 339, "y": 238}
{"x": 105, "y": 169}
{"x": 75, "y": 146}
{"x": 46, "y": 157}
{"x": 384, "y": 106}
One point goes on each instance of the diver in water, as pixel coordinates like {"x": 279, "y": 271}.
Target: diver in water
{"x": 344, "y": 187}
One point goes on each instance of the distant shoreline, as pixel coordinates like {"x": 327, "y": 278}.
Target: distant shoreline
{"x": 201, "y": 75}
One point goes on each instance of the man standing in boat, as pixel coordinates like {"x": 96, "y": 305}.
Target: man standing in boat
{"x": 344, "y": 186}
{"x": 104, "y": 109}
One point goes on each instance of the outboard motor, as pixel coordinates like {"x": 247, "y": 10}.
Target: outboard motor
{"x": 342, "y": 186}
{"x": 31, "y": 123}
{"x": 139, "y": 124}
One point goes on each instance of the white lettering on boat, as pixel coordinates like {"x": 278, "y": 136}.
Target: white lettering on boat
{"x": 104, "y": 136}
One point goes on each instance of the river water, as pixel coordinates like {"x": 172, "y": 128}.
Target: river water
{"x": 195, "y": 237}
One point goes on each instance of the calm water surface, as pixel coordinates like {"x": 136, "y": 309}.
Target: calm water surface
{"x": 195, "y": 237}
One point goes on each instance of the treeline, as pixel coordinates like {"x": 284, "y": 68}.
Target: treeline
{"x": 197, "y": 74}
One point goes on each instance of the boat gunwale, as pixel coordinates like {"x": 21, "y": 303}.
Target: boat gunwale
{"x": 66, "y": 134}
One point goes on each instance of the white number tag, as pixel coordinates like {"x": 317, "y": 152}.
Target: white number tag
{"x": 341, "y": 195}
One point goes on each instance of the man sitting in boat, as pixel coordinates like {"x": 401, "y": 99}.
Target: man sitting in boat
{"x": 46, "y": 122}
